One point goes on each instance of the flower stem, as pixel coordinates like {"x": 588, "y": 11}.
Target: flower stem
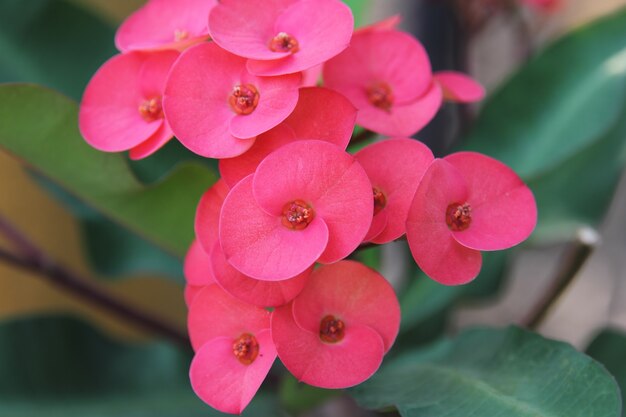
{"x": 30, "y": 258}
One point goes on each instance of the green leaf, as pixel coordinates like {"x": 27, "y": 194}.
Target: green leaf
{"x": 52, "y": 42}
{"x": 609, "y": 348}
{"x": 494, "y": 373}
{"x": 297, "y": 398}
{"x": 60, "y": 367}
{"x": 40, "y": 127}
{"x": 560, "y": 123}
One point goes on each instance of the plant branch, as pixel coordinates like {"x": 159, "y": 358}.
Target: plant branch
{"x": 31, "y": 258}
{"x": 362, "y": 136}
{"x": 573, "y": 260}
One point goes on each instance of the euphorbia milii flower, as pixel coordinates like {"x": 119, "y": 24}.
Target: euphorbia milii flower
{"x": 254, "y": 291}
{"x": 165, "y": 24}
{"x": 197, "y": 270}
{"x": 320, "y": 114}
{"x": 545, "y": 5}
{"x": 308, "y": 201}
{"x": 466, "y": 203}
{"x": 282, "y": 36}
{"x": 335, "y": 333}
{"x": 216, "y": 108}
{"x": 234, "y": 349}
{"x": 395, "y": 168}
{"x": 207, "y": 219}
{"x": 458, "y": 87}
{"x": 121, "y": 107}
{"x": 387, "y": 76}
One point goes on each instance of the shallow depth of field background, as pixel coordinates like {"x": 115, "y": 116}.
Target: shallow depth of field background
{"x": 61, "y": 356}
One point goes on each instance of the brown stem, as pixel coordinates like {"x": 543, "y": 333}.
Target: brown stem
{"x": 574, "y": 258}
{"x": 362, "y": 136}
{"x": 32, "y": 259}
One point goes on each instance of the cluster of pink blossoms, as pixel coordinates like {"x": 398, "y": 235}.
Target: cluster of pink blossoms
{"x": 239, "y": 82}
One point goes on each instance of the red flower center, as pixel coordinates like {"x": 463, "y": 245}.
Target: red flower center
{"x": 246, "y": 348}
{"x": 151, "y": 110}
{"x": 297, "y": 215}
{"x": 331, "y": 329}
{"x": 459, "y": 216}
{"x": 380, "y": 201}
{"x": 380, "y": 95}
{"x": 244, "y": 99}
{"x": 284, "y": 42}
{"x": 180, "y": 35}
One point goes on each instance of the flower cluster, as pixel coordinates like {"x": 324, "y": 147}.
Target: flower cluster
{"x": 267, "y": 275}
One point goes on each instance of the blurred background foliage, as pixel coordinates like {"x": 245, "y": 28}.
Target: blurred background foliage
{"x": 559, "y": 121}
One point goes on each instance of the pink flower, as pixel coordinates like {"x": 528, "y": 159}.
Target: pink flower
{"x": 165, "y": 24}
{"x": 308, "y": 201}
{"x": 320, "y": 114}
{"x": 458, "y": 87}
{"x": 121, "y": 107}
{"x": 282, "y": 36}
{"x": 465, "y": 203}
{"x": 216, "y": 108}
{"x": 387, "y": 76}
{"x": 254, "y": 291}
{"x": 234, "y": 349}
{"x": 395, "y": 168}
{"x": 206, "y": 224}
{"x": 335, "y": 333}
{"x": 545, "y": 5}
{"x": 197, "y": 270}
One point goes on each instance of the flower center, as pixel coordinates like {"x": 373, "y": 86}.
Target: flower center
{"x": 331, "y": 329}
{"x": 151, "y": 110}
{"x": 459, "y": 216}
{"x": 284, "y": 42}
{"x": 380, "y": 201}
{"x": 246, "y": 348}
{"x": 244, "y": 99}
{"x": 380, "y": 95}
{"x": 297, "y": 215}
{"x": 180, "y": 35}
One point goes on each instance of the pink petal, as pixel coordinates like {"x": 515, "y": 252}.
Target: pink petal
{"x": 278, "y": 98}
{"x": 245, "y": 29}
{"x": 390, "y": 23}
{"x": 214, "y": 313}
{"x": 393, "y": 57}
{"x": 254, "y": 291}
{"x": 224, "y": 383}
{"x": 207, "y": 219}
{"x": 433, "y": 247}
{"x": 258, "y": 245}
{"x": 312, "y": 76}
{"x": 352, "y": 292}
{"x": 459, "y": 87}
{"x": 196, "y": 101}
{"x": 323, "y": 29}
{"x": 402, "y": 120}
{"x": 156, "y": 25}
{"x": 197, "y": 266}
{"x": 153, "y": 144}
{"x": 504, "y": 212}
{"x": 339, "y": 365}
{"x": 323, "y": 114}
{"x": 190, "y": 293}
{"x": 395, "y": 167}
{"x": 327, "y": 178}
{"x": 109, "y": 117}
{"x": 379, "y": 223}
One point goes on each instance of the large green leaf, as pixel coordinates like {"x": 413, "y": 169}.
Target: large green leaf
{"x": 494, "y": 373}
{"x": 560, "y": 123}
{"x": 57, "y": 366}
{"x": 609, "y": 348}
{"x": 40, "y": 127}
{"x": 51, "y": 42}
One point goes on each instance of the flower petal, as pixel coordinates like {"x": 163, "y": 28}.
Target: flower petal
{"x": 197, "y": 266}
{"x": 153, "y": 143}
{"x": 214, "y": 313}
{"x": 224, "y": 383}
{"x": 258, "y": 245}
{"x": 207, "y": 218}
{"x": 254, "y": 291}
{"x": 459, "y": 87}
{"x": 339, "y": 365}
{"x": 504, "y": 212}
{"x": 433, "y": 247}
